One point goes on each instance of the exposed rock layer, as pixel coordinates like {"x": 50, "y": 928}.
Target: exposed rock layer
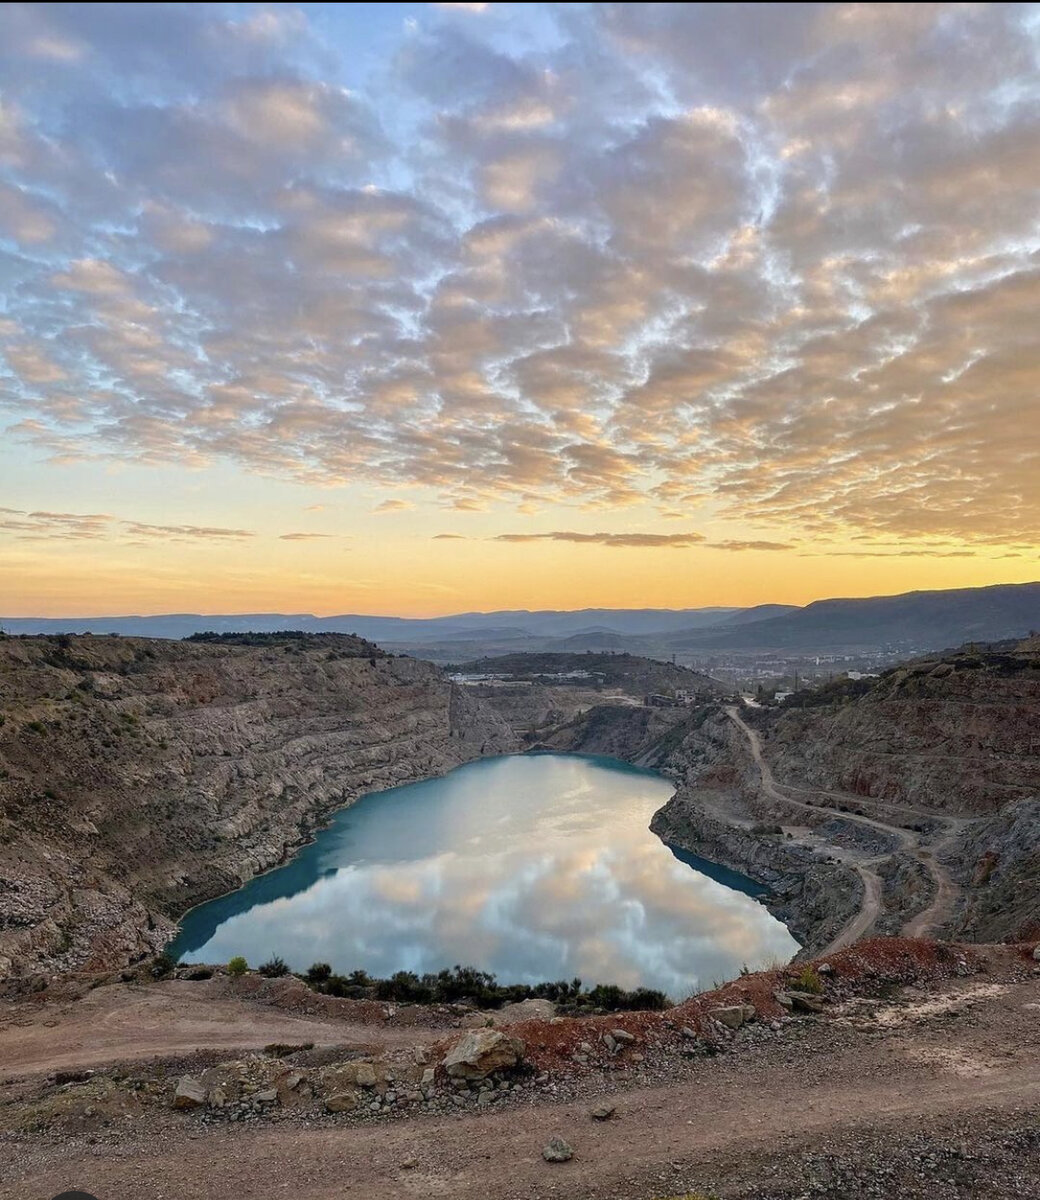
{"x": 139, "y": 777}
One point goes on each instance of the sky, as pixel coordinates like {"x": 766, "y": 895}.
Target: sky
{"x": 417, "y": 309}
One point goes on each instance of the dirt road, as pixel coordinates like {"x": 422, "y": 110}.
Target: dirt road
{"x": 166, "y": 1020}
{"x": 923, "y": 923}
{"x": 734, "y": 1123}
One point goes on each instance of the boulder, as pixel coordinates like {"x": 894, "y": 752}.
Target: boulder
{"x": 525, "y": 1010}
{"x": 341, "y": 1102}
{"x": 622, "y": 1035}
{"x": 478, "y": 1020}
{"x": 557, "y": 1151}
{"x": 806, "y": 1002}
{"x": 732, "y": 1015}
{"x": 190, "y": 1093}
{"x": 359, "y": 1074}
{"x": 481, "y": 1052}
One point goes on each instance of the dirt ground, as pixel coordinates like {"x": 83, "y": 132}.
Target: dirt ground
{"x": 934, "y": 1091}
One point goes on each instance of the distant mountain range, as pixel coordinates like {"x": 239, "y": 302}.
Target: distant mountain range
{"x": 912, "y": 621}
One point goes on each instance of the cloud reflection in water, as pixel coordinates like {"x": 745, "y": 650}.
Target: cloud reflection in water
{"x": 532, "y": 868}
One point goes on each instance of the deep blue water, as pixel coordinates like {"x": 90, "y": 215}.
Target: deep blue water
{"x": 532, "y": 867}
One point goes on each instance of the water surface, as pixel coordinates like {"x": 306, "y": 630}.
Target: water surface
{"x": 533, "y": 867}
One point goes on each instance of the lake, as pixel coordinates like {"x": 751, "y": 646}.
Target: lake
{"x": 532, "y": 867}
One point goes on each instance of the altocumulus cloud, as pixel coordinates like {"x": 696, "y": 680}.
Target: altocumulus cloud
{"x": 782, "y": 257}
{"x": 675, "y": 540}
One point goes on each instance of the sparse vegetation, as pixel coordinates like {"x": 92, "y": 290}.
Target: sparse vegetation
{"x": 237, "y": 965}
{"x": 808, "y": 980}
{"x": 162, "y": 965}
{"x": 481, "y": 988}
{"x": 274, "y": 968}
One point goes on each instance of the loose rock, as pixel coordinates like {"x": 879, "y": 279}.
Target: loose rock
{"x": 190, "y": 1093}
{"x": 557, "y": 1151}
{"x": 481, "y": 1052}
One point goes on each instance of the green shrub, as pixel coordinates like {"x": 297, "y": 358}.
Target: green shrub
{"x": 808, "y": 980}
{"x": 319, "y": 973}
{"x": 274, "y": 968}
{"x": 237, "y": 965}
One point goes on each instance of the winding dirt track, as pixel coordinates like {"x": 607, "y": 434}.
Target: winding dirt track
{"x": 923, "y": 923}
{"x": 734, "y": 1121}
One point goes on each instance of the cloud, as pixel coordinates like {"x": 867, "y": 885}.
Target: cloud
{"x": 449, "y": 537}
{"x": 739, "y": 545}
{"x": 784, "y": 261}
{"x": 315, "y": 508}
{"x": 55, "y": 526}
{"x": 302, "y": 537}
{"x": 139, "y": 529}
{"x": 392, "y": 506}
{"x": 631, "y": 540}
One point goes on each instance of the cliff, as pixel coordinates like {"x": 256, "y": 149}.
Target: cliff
{"x": 140, "y": 777}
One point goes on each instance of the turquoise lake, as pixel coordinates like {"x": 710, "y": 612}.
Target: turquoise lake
{"x": 533, "y": 867}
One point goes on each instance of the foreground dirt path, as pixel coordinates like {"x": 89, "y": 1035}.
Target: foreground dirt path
{"x": 165, "y": 1020}
{"x": 734, "y": 1122}
{"x": 924, "y": 923}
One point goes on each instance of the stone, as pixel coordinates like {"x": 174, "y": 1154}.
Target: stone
{"x": 806, "y": 1002}
{"x": 602, "y": 1112}
{"x": 525, "y": 1010}
{"x": 1036, "y": 953}
{"x": 269, "y": 1096}
{"x": 622, "y": 1035}
{"x": 477, "y": 1020}
{"x": 732, "y": 1015}
{"x": 825, "y": 969}
{"x": 341, "y": 1102}
{"x": 190, "y": 1093}
{"x": 783, "y": 999}
{"x": 359, "y": 1074}
{"x": 609, "y": 1042}
{"x": 292, "y": 1081}
{"x": 557, "y": 1151}
{"x": 689, "y": 1034}
{"x": 428, "y": 1077}
{"x": 421, "y": 1054}
{"x": 481, "y": 1052}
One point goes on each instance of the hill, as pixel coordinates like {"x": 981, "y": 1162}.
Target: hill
{"x": 635, "y": 675}
{"x": 912, "y": 621}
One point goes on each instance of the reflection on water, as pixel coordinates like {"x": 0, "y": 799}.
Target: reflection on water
{"x": 531, "y": 867}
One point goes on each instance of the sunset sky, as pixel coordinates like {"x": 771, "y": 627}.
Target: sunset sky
{"x": 418, "y": 309}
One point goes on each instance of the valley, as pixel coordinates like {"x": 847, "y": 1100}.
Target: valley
{"x": 140, "y": 777}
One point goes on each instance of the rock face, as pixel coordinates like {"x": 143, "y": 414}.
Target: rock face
{"x": 139, "y": 777}
{"x": 481, "y": 1052}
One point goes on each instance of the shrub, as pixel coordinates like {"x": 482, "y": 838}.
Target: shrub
{"x": 808, "y": 980}
{"x": 274, "y": 968}
{"x": 237, "y": 965}
{"x": 318, "y": 973}
{"x": 162, "y": 965}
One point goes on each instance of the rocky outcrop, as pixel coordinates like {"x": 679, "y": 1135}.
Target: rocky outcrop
{"x": 481, "y": 1053}
{"x": 140, "y": 777}
{"x": 815, "y": 898}
{"x": 956, "y": 734}
{"x": 997, "y": 862}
